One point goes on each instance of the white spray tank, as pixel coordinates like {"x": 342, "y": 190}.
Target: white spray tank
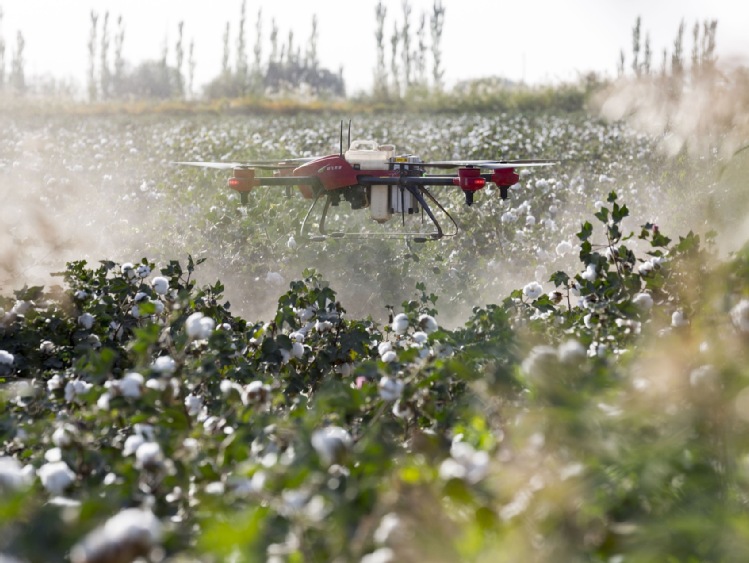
{"x": 368, "y": 155}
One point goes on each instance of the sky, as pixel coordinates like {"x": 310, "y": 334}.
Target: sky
{"x": 541, "y": 41}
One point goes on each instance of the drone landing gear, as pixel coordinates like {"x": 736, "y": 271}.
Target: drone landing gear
{"x": 420, "y": 194}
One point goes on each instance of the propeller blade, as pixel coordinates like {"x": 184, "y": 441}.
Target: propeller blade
{"x": 489, "y": 164}
{"x": 287, "y": 164}
{"x": 216, "y": 165}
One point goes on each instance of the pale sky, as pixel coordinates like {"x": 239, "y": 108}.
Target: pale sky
{"x": 537, "y": 41}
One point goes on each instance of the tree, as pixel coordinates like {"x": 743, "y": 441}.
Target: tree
{"x": 380, "y": 89}
{"x": 436, "y": 24}
{"x": 311, "y": 61}
{"x": 225, "y": 57}
{"x": 406, "y": 45}
{"x": 17, "y": 77}
{"x": 119, "y": 61}
{"x": 241, "y": 62}
{"x": 179, "y": 51}
{"x": 647, "y": 56}
{"x": 104, "y": 73}
{"x": 636, "y": 47}
{"x": 420, "y": 59}
{"x": 191, "y": 68}
{"x": 394, "y": 70}
{"x": 92, "y": 89}
{"x": 2, "y": 53}
{"x": 677, "y": 61}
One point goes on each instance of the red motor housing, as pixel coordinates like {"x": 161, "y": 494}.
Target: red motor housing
{"x": 470, "y": 181}
{"x": 243, "y": 180}
{"x": 505, "y": 177}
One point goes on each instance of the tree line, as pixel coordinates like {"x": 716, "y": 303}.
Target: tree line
{"x": 673, "y": 64}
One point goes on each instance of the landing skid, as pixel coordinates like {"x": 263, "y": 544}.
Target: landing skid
{"x": 419, "y": 193}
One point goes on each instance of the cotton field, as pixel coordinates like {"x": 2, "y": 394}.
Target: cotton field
{"x": 186, "y": 378}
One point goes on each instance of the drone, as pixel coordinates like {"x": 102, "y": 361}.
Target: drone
{"x": 372, "y": 176}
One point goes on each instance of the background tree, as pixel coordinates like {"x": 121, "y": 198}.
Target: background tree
{"x": 436, "y": 24}
{"x": 179, "y": 52}
{"x": 380, "y": 77}
{"x": 394, "y": 69}
{"x": 406, "y": 45}
{"x": 2, "y": 52}
{"x": 104, "y": 73}
{"x": 119, "y": 61}
{"x": 647, "y": 58}
{"x": 241, "y": 60}
{"x": 257, "y": 70}
{"x": 677, "y": 60}
{"x": 191, "y": 68}
{"x": 225, "y": 71}
{"x": 92, "y": 88}
{"x": 17, "y": 75}
{"x": 636, "y": 46}
{"x": 420, "y": 60}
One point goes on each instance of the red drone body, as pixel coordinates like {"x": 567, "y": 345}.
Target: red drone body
{"x": 373, "y": 176}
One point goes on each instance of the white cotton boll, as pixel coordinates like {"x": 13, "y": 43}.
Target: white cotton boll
{"x": 6, "y": 358}
{"x": 193, "y": 404}
{"x": 428, "y": 324}
{"x": 383, "y": 347}
{"x": 678, "y": 319}
{"x": 75, "y": 388}
{"x": 164, "y": 364}
{"x": 379, "y": 555}
{"x": 390, "y": 388}
{"x": 530, "y": 221}
{"x": 291, "y": 243}
{"x": 646, "y": 268}
{"x": 133, "y": 531}
{"x": 198, "y": 326}
{"x": 643, "y": 301}
{"x": 80, "y": 294}
{"x": 86, "y": 320}
{"x": 590, "y": 273}
{"x": 740, "y": 315}
{"x": 508, "y": 217}
{"x": 419, "y": 337}
{"x": 297, "y": 350}
{"x": 128, "y": 270}
{"x": 47, "y": 347}
{"x": 143, "y": 271}
{"x": 12, "y": 475}
{"x": 323, "y": 326}
{"x": 400, "y": 323}
{"x": 55, "y": 382}
{"x": 331, "y": 443}
{"x": 132, "y": 443}
{"x": 297, "y": 336}
{"x": 53, "y": 454}
{"x": 533, "y": 290}
{"x": 563, "y": 248}
{"x": 102, "y": 403}
{"x": 389, "y": 356}
{"x": 63, "y": 436}
{"x": 149, "y": 456}
{"x": 158, "y": 306}
{"x": 56, "y": 477}
{"x": 598, "y": 205}
{"x": 388, "y": 525}
{"x": 131, "y": 385}
{"x": 160, "y": 285}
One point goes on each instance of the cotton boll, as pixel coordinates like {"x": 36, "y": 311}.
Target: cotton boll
{"x": 400, "y": 323}
{"x": 131, "y": 385}
{"x": 164, "y": 364}
{"x": 129, "y": 535}
{"x": 143, "y": 271}
{"x": 160, "y": 285}
{"x": 86, "y": 320}
{"x": 389, "y": 356}
{"x": 331, "y": 443}
{"x": 390, "y": 388}
{"x": 533, "y": 290}
{"x": 383, "y": 347}
{"x": 643, "y": 301}
{"x": 56, "y": 477}
{"x": 428, "y": 324}
{"x": 740, "y": 315}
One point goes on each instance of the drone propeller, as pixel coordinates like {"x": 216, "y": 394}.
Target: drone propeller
{"x": 489, "y": 164}
{"x": 285, "y": 164}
